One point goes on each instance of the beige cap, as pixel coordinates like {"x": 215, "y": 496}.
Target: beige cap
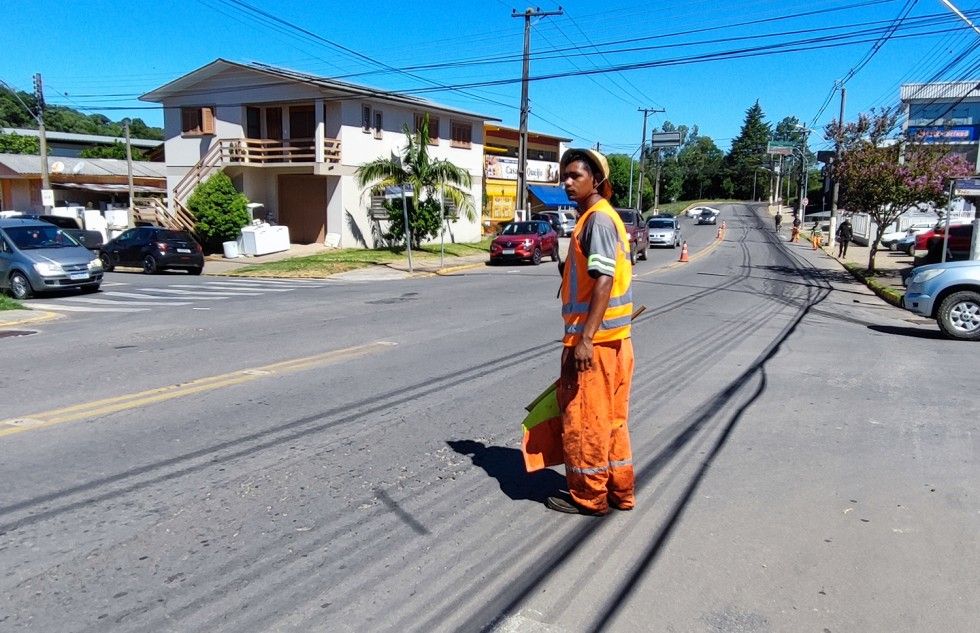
{"x": 596, "y": 161}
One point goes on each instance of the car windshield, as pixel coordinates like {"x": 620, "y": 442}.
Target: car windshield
{"x": 34, "y": 237}
{"x": 660, "y": 224}
{"x": 627, "y": 216}
{"x": 520, "y": 228}
{"x": 183, "y": 236}
{"x": 706, "y": 212}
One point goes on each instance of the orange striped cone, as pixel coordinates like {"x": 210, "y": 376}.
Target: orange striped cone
{"x": 683, "y": 253}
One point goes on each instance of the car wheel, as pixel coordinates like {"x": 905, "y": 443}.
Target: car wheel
{"x": 106, "y": 262}
{"x": 632, "y": 254}
{"x": 959, "y": 315}
{"x": 197, "y": 270}
{"x": 149, "y": 264}
{"x": 536, "y": 256}
{"x": 643, "y": 254}
{"x": 554, "y": 253}
{"x": 20, "y": 287}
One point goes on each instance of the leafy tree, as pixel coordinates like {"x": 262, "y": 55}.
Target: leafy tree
{"x": 17, "y": 144}
{"x": 884, "y": 176}
{"x": 701, "y": 162}
{"x": 62, "y": 119}
{"x": 619, "y": 176}
{"x": 116, "y": 150}
{"x": 219, "y": 209}
{"x": 748, "y": 153}
{"x": 428, "y": 177}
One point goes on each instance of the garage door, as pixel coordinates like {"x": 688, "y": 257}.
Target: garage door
{"x": 303, "y": 207}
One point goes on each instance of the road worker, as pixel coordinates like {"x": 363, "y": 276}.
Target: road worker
{"x": 597, "y": 358}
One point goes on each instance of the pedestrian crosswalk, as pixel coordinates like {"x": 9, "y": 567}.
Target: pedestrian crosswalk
{"x": 125, "y": 297}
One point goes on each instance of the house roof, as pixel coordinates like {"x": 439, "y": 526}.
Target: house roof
{"x": 30, "y": 165}
{"x": 91, "y": 139}
{"x": 941, "y": 90}
{"x": 284, "y": 76}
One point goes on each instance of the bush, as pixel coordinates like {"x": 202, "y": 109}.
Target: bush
{"x": 219, "y": 209}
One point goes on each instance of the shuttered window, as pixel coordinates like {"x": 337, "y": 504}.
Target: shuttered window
{"x": 197, "y": 121}
{"x": 462, "y": 134}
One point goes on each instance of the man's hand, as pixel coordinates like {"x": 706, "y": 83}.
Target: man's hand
{"x": 583, "y": 355}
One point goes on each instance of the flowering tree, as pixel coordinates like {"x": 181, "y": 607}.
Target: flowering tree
{"x": 884, "y": 176}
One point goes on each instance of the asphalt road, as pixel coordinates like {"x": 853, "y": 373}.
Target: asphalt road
{"x": 343, "y": 456}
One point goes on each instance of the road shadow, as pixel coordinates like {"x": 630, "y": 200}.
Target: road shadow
{"x": 506, "y": 465}
{"x": 912, "y": 332}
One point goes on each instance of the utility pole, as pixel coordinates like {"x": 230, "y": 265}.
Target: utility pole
{"x": 643, "y": 144}
{"x": 42, "y": 139}
{"x": 522, "y": 144}
{"x": 836, "y": 188}
{"x": 656, "y": 185}
{"x": 129, "y": 174}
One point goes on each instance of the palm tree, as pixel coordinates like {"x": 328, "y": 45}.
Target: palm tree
{"x": 429, "y": 178}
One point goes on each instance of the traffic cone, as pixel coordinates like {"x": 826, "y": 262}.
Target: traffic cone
{"x": 720, "y": 229}
{"x": 683, "y": 253}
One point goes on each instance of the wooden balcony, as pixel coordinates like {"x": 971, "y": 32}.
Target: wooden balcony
{"x": 251, "y": 151}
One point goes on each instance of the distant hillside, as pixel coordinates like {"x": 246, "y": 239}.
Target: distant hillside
{"x": 62, "y": 119}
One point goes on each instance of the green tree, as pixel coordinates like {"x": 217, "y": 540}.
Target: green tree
{"x": 428, "y": 178}
{"x": 748, "y": 153}
{"x": 885, "y": 176}
{"x": 219, "y": 209}
{"x": 17, "y": 144}
{"x": 702, "y": 163}
{"x": 116, "y": 150}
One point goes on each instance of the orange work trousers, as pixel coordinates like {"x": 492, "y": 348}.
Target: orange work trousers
{"x": 594, "y": 408}
{"x": 796, "y": 235}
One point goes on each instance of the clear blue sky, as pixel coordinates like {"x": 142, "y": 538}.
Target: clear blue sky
{"x": 100, "y": 55}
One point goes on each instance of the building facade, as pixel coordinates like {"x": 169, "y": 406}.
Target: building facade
{"x": 946, "y": 113}
{"x": 293, "y": 143}
{"x": 500, "y": 169}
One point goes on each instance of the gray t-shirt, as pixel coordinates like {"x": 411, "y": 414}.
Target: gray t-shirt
{"x": 599, "y": 240}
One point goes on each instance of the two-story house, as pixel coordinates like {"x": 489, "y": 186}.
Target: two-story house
{"x": 293, "y": 142}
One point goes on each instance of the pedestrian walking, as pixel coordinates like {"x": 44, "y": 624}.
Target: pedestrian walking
{"x": 816, "y": 235}
{"x": 779, "y": 220}
{"x": 796, "y": 229}
{"x": 597, "y": 356}
{"x": 844, "y": 234}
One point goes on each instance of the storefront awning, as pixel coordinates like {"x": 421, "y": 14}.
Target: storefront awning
{"x": 551, "y": 197}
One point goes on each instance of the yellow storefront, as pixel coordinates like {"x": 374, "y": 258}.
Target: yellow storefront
{"x": 501, "y": 200}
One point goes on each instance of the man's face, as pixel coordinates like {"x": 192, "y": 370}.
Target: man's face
{"x": 578, "y": 180}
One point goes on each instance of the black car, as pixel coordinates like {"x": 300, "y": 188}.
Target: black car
{"x": 153, "y": 249}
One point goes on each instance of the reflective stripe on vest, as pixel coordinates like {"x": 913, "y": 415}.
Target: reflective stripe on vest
{"x": 577, "y": 285}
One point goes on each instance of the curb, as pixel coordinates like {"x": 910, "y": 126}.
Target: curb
{"x": 886, "y": 293}
{"x": 448, "y": 270}
{"x": 40, "y": 318}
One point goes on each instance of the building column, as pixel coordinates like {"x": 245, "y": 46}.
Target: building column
{"x": 320, "y": 126}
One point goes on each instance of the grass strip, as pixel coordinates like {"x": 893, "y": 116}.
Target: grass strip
{"x": 345, "y": 259}
{"x": 889, "y": 293}
{"x": 6, "y": 303}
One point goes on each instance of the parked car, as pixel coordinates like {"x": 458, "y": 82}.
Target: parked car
{"x": 639, "y": 236}
{"x": 907, "y": 243}
{"x": 154, "y": 249}
{"x": 950, "y": 293}
{"x": 36, "y": 257}
{"x": 889, "y": 238}
{"x": 707, "y": 216}
{"x": 664, "y": 231}
{"x": 528, "y": 241}
{"x": 929, "y": 245}
{"x": 562, "y": 221}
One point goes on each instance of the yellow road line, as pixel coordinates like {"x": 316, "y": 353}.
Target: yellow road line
{"x": 44, "y": 316}
{"x": 701, "y": 253}
{"x": 115, "y": 404}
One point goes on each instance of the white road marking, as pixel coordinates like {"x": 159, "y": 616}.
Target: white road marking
{"x": 133, "y": 295}
{"x": 203, "y": 290}
{"x": 202, "y": 295}
{"x": 126, "y": 303}
{"x": 222, "y": 286}
{"x": 67, "y": 308}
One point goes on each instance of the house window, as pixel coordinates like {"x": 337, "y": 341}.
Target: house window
{"x": 253, "y": 122}
{"x": 197, "y": 121}
{"x": 366, "y": 118}
{"x": 378, "y": 123}
{"x": 433, "y": 127}
{"x": 462, "y": 134}
{"x": 302, "y": 122}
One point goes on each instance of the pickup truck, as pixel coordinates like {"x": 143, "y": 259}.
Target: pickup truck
{"x": 639, "y": 236}
{"x": 950, "y": 293}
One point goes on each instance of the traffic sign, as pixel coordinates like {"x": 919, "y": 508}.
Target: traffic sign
{"x": 665, "y": 139}
{"x": 806, "y": 201}
{"x": 967, "y": 187}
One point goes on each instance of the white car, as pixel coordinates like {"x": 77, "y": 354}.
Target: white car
{"x": 889, "y": 238}
{"x": 694, "y": 212}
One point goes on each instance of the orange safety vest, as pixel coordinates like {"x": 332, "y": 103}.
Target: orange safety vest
{"x": 577, "y": 285}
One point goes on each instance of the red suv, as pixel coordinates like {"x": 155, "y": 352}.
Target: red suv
{"x": 639, "y": 235}
{"x": 929, "y": 245}
{"x": 527, "y": 241}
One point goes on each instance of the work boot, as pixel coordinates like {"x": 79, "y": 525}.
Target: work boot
{"x": 568, "y": 506}
{"x": 620, "y": 505}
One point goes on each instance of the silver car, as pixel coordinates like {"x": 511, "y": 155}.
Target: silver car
{"x": 664, "y": 231}
{"x": 950, "y": 293}
{"x": 37, "y": 256}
